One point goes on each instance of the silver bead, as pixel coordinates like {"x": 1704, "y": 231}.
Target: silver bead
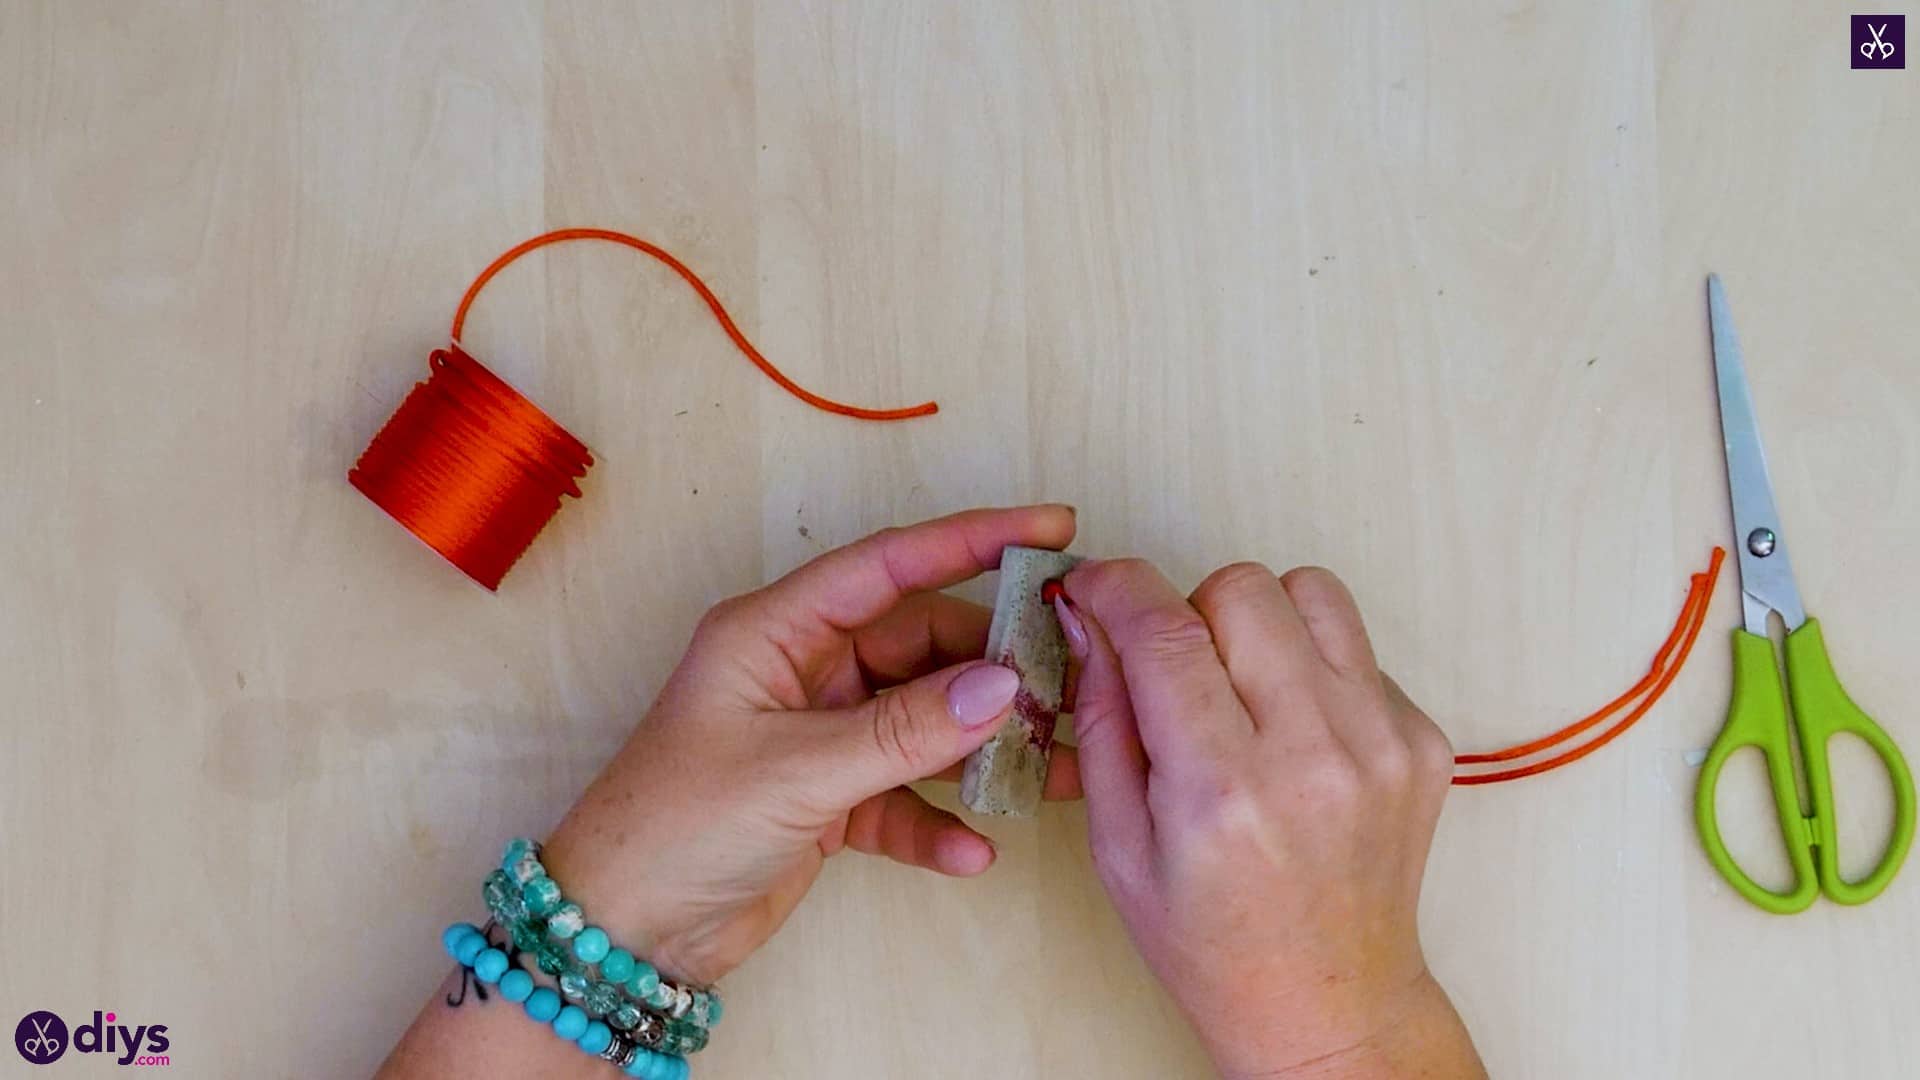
{"x": 682, "y": 1001}
{"x": 620, "y": 1051}
{"x": 649, "y": 1031}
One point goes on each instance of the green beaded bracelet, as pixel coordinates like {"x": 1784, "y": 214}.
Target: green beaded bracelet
{"x": 603, "y": 1001}
{"x": 602, "y": 980}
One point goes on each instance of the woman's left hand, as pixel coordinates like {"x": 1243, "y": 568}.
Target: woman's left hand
{"x": 789, "y": 732}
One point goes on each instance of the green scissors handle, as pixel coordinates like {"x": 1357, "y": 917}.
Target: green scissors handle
{"x": 1757, "y": 717}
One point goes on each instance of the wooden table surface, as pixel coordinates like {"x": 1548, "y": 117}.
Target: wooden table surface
{"x": 1414, "y": 291}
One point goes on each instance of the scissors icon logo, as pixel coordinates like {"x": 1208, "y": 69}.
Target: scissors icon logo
{"x": 42, "y": 1044}
{"x": 41, "y": 1037}
{"x": 1883, "y": 48}
{"x": 1879, "y": 41}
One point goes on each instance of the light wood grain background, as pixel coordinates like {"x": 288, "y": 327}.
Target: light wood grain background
{"x": 1410, "y": 290}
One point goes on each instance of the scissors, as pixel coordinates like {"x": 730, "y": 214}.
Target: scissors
{"x": 1757, "y": 715}
{"x": 1868, "y": 48}
{"x": 41, "y": 1045}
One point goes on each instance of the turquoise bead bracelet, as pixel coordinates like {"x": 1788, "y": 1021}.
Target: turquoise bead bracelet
{"x": 490, "y": 965}
{"x": 579, "y": 985}
{"x": 540, "y": 905}
{"x": 565, "y": 922}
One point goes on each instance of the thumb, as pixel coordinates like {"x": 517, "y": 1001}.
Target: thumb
{"x": 908, "y": 733}
{"x": 1113, "y": 764}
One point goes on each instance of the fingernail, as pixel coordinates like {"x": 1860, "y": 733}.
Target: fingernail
{"x": 982, "y": 693}
{"x": 1070, "y": 622}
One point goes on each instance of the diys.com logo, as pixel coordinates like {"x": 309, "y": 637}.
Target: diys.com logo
{"x": 43, "y": 1038}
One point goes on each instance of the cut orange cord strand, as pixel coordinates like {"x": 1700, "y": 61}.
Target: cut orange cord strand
{"x": 1686, "y": 629}
{"x": 713, "y": 304}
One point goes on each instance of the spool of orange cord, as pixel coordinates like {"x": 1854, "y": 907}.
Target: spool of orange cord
{"x": 474, "y": 469}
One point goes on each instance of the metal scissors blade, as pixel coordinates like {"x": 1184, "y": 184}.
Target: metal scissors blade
{"x": 1766, "y": 573}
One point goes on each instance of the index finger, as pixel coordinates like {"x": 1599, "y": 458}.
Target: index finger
{"x": 852, "y": 586}
{"x": 1175, "y": 679}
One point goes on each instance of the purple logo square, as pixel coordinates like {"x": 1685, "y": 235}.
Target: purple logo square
{"x": 1879, "y": 41}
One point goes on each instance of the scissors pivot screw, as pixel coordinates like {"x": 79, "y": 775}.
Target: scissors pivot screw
{"x": 1760, "y": 542}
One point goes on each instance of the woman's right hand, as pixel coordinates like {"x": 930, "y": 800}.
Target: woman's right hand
{"x": 1261, "y": 800}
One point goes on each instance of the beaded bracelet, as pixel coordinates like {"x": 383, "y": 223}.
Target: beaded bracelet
{"x": 542, "y": 924}
{"x": 538, "y": 903}
{"x": 469, "y": 947}
{"x": 599, "y": 999}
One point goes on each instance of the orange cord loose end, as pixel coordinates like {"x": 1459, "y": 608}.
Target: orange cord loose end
{"x": 713, "y": 304}
{"x": 1666, "y": 666}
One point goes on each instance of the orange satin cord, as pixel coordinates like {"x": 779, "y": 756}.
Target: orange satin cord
{"x": 476, "y": 470}
{"x": 1653, "y": 676}
{"x": 471, "y": 467}
{"x": 713, "y": 304}
{"x": 1686, "y": 629}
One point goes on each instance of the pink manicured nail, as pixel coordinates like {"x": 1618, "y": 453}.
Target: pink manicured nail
{"x": 963, "y": 854}
{"x": 982, "y": 693}
{"x": 1070, "y": 622}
